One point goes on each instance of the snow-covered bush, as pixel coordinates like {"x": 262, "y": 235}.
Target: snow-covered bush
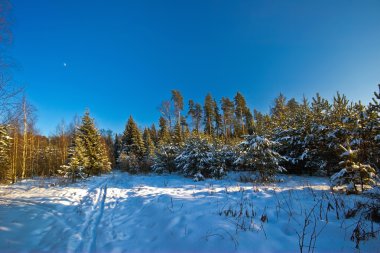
{"x": 164, "y": 160}
{"x": 72, "y": 173}
{"x": 198, "y": 157}
{"x": 257, "y": 154}
{"x": 353, "y": 173}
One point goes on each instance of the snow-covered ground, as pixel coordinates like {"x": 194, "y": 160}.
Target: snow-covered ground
{"x": 169, "y": 213}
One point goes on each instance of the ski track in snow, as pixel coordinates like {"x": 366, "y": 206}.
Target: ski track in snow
{"x": 149, "y": 213}
{"x": 85, "y": 240}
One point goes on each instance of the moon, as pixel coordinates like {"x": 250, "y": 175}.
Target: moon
{"x": 64, "y": 64}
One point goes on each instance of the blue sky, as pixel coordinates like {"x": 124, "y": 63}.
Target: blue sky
{"x": 124, "y": 57}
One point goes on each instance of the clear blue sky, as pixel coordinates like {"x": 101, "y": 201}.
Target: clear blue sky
{"x": 124, "y": 57}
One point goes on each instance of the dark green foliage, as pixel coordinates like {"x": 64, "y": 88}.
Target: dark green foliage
{"x": 200, "y": 159}
{"x": 209, "y": 115}
{"x": 117, "y": 147}
{"x": 147, "y": 160}
{"x": 164, "y": 160}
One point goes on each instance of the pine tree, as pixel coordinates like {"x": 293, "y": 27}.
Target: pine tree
{"x": 257, "y": 153}
{"x": 249, "y": 122}
{"x": 352, "y": 172}
{"x": 240, "y": 112}
{"x": 371, "y": 132}
{"x": 228, "y": 112}
{"x": 195, "y": 112}
{"x": 208, "y": 110}
{"x": 217, "y": 120}
{"x": 178, "y": 103}
{"x": 316, "y": 142}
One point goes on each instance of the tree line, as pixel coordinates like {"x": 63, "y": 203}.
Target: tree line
{"x": 301, "y": 137}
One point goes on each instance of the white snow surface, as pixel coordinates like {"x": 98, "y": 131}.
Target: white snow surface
{"x": 119, "y": 212}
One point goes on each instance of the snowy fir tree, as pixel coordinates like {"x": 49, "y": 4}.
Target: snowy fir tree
{"x": 133, "y": 149}
{"x": 353, "y": 173}
{"x": 200, "y": 159}
{"x": 177, "y": 134}
{"x": 164, "y": 160}
{"x": 149, "y": 154}
{"x": 97, "y": 161}
{"x": 256, "y": 153}
{"x": 163, "y": 132}
{"x": 117, "y": 147}
{"x": 87, "y": 153}
{"x": 76, "y": 160}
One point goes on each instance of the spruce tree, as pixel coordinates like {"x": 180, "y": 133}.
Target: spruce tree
{"x": 132, "y": 140}
{"x": 87, "y": 152}
{"x": 177, "y": 134}
{"x": 94, "y": 149}
{"x": 153, "y": 134}
{"x": 117, "y": 146}
{"x": 76, "y": 161}
{"x": 163, "y": 132}
{"x": 149, "y": 151}
{"x": 148, "y": 143}
{"x": 133, "y": 148}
